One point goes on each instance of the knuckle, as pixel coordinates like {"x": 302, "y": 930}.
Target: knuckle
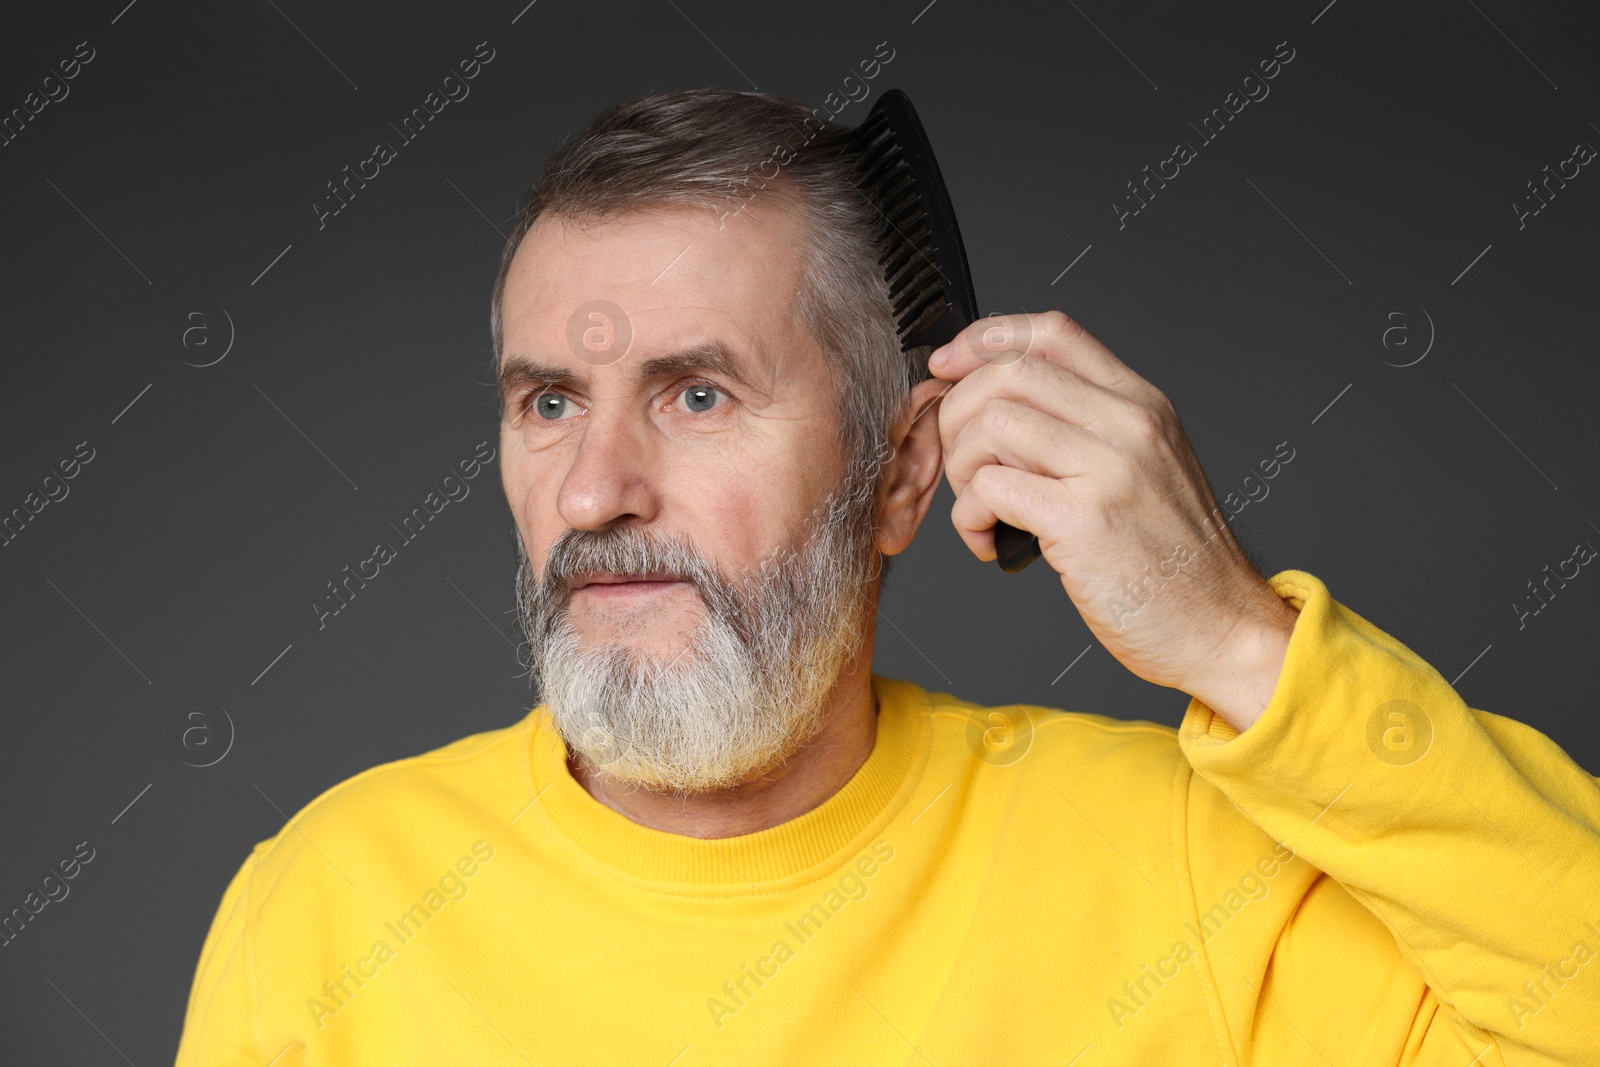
{"x": 1061, "y": 324}
{"x": 999, "y": 415}
{"x": 1145, "y": 422}
{"x": 982, "y": 479}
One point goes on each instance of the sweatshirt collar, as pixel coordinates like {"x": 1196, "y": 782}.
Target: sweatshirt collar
{"x": 841, "y": 825}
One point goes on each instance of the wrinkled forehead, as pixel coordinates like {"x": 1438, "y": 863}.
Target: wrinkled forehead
{"x": 656, "y": 279}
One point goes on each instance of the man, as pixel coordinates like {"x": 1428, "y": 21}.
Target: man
{"x": 720, "y": 839}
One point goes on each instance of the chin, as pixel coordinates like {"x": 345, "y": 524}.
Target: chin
{"x": 632, "y": 773}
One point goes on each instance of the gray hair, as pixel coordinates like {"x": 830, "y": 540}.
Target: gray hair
{"x": 717, "y": 149}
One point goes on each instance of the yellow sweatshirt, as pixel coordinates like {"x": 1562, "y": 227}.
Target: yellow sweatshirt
{"x": 1373, "y": 873}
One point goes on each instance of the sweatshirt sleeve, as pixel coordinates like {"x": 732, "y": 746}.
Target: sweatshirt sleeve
{"x": 219, "y": 1020}
{"x": 1452, "y": 911}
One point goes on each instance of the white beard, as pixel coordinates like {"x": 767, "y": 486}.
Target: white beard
{"x": 750, "y": 686}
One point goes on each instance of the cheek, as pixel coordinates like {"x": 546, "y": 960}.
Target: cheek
{"x": 722, "y": 515}
{"x": 732, "y": 512}
{"x": 513, "y": 477}
{"x": 744, "y": 510}
{"x": 531, "y": 495}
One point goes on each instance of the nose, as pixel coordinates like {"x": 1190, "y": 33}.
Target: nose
{"x": 612, "y": 477}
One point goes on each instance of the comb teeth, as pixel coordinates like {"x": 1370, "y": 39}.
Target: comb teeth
{"x": 916, "y": 284}
{"x": 921, "y": 253}
{"x": 909, "y": 257}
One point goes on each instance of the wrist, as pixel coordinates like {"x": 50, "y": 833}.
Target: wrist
{"x": 1248, "y": 669}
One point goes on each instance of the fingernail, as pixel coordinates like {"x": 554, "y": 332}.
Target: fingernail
{"x": 940, "y": 356}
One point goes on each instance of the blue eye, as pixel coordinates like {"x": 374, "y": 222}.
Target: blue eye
{"x": 553, "y": 406}
{"x": 701, "y": 397}
{"x": 550, "y": 405}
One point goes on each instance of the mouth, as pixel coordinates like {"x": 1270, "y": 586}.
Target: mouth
{"x": 619, "y": 584}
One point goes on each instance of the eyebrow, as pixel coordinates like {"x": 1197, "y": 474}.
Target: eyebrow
{"x": 713, "y": 355}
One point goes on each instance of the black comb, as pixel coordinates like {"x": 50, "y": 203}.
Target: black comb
{"x": 922, "y": 257}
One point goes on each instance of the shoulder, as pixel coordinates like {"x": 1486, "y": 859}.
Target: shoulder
{"x": 1060, "y": 739}
{"x": 1035, "y": 754}
{"x": 1037, "y": 782}
{"x": 379, "y": 820}
{"x": 1111, "y": 780}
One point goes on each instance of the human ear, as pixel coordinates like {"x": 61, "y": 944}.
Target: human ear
{"x": 912, "y": 473}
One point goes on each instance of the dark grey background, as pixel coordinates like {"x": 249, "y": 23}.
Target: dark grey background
{"x": 1255, "y": 290}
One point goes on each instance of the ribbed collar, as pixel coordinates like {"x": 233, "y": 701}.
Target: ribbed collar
{"x": 843, "y": 823}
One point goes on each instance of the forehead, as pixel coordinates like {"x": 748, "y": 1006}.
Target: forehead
{"x": 672, "y": 275}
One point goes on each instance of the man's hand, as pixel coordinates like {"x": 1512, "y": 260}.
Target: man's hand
{"x": 1046, "y": 429}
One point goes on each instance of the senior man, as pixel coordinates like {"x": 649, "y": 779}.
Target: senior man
{"x": 721, "y": 839}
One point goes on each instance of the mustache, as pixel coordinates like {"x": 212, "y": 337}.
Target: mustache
{"x": 624, "y": 550}
{"x": 545, "y": 601}
{"x": 741, "y": 601}
{"x": 546, "y": 598}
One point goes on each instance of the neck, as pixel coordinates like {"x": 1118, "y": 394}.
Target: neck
{"x": 816, "y": 771}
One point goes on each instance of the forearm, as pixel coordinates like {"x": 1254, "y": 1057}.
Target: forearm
{"x": 1472, "y": 837}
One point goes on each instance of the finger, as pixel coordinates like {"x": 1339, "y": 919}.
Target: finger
{"x": 1055, "y": 390}
{"x": 1004, "y": 494}
{"x": 1015, "y": 434}
{"x": 995, "y": 340}
{"x": 1001, "y": 340}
